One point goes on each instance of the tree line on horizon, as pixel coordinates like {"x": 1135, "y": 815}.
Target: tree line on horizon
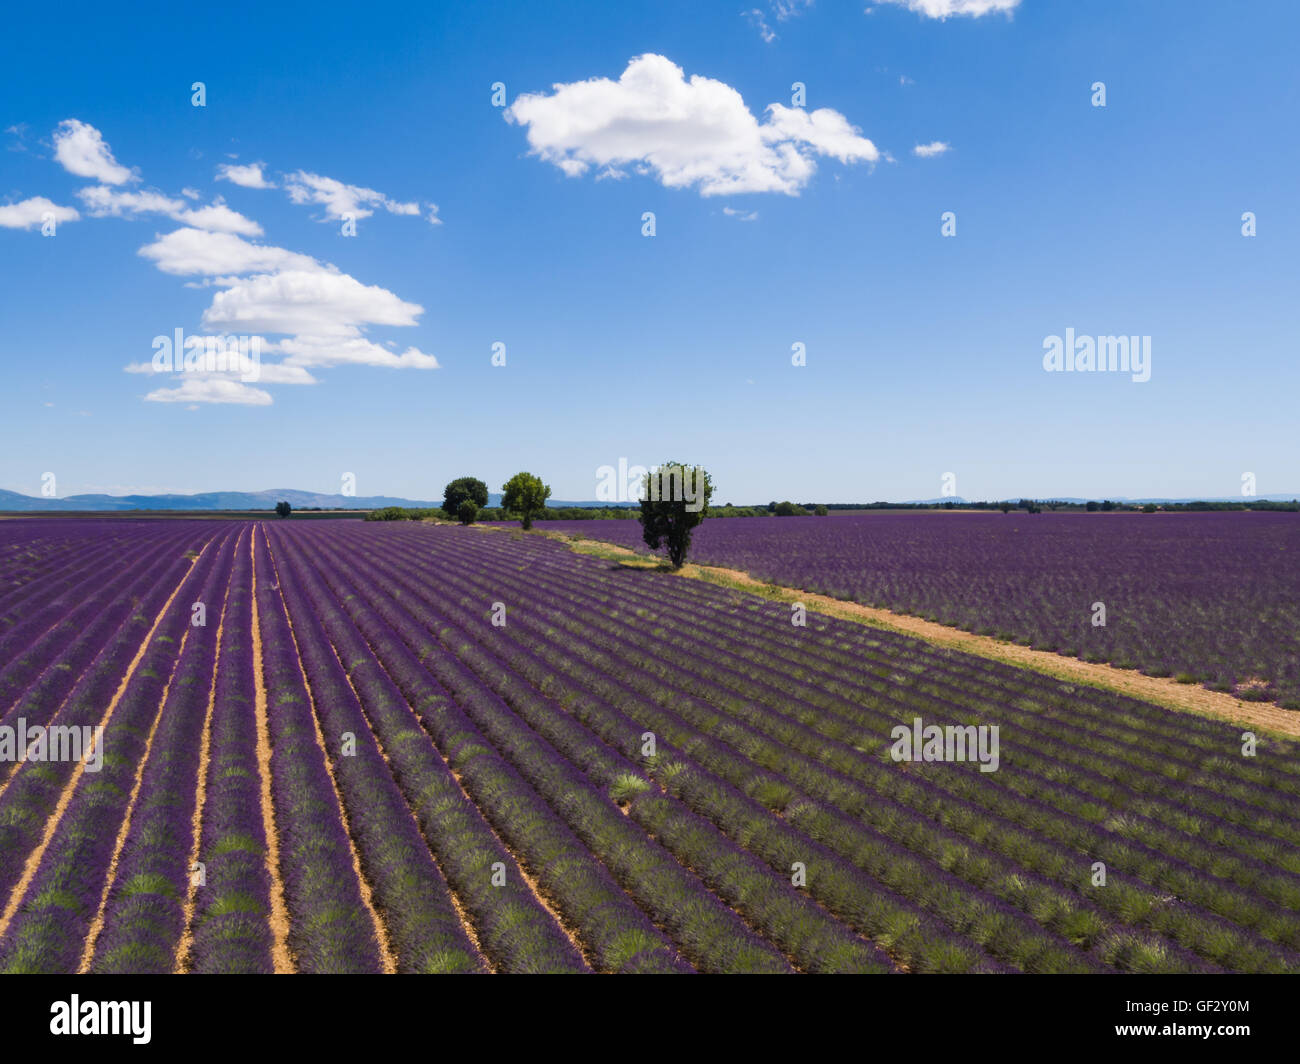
{"x": 668, "y": 517}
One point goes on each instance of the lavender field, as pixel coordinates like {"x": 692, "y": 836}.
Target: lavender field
{"x": 415, "y": 748}
{"x": 1211, "y": 598}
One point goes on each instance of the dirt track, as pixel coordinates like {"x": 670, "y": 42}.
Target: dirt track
{"x": 1186, "y": 698}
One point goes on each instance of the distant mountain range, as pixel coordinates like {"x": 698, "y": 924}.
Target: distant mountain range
{"x": 12, "y": 501}
{"x": 226, "y": 500}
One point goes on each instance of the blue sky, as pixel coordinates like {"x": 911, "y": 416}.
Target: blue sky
{"x": 815, "y": 221}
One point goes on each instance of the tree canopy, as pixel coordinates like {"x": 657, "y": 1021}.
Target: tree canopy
{"x": 524, "y": 496}
{"x": 674, "y": 500}
{"x": 459, "y": 490}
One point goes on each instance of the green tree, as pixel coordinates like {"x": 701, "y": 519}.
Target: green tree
{"x": 283, "y": 509}
{"x": 525, "y": 495}
{"x": 467, "y": 511}
{"x": 821, "y": 510}
{"x": 459, "y": 490}
{"x": 1005, "y": 507}
{"x": 674, "y": 500}
{"x": 1091, "y": 507}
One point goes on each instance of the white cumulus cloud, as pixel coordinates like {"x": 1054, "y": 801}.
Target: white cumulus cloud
{"x": 319, "y": 314}
{"x": 80, "y": 149}
{"x": 687, "y": 133}
{"x": 189, "y": 251}
{"x": 309, "y": 302}
{"x": 31, "y": 213}
{"x": 247, "y": 175}
{"x": 217, "y": 217}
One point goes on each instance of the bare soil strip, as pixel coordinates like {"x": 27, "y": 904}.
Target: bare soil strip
{"x": 182, "y": 959}
{"x": 387, "y": 956}
{"x": 1163, "y": 690}
{"x": 530, "y": 882}
{"x": 465, "y": 922}
{"x": 52, "y": 823}
{"x": 97, "y": 925}
{"x": 281, "y": 959}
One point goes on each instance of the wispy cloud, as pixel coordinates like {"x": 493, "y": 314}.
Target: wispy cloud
{"x": 759, "y": 22}
{"x": 247, "y": 175}
{"x": 934, "y": 148}
{"x": 943, "y": 9}
{"x": 341, "y": 200}
{"x": 211, "y": 390}
{"x": 103, "y": 201}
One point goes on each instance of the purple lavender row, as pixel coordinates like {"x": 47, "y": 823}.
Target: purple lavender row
{"x": 33, "y": 788}
{"x": 709, "y": 934}
{"x": 517, "y": 933}
{"x": 50, "y": 601}
{"x": 27, "y": 562}
{"x": 144, "y": 910}
{"x": 330, "y": 929}
{"x": 744, "y": 771}
{"x": 410, "y": 894}
{"x": 805, "y": 655}
{"x": 617, "y": 935}
{"x": 1206, "y": 594}
{"x": 229, "y": 927}
{"x": 33, "y": 685}
{"x": 45, "y": 631}
{"x": 945, "y": 718}
{"x": 839, "y": 685}
{"x": 853, "y": 763}
{"x": 1180, "y": 735}
{"x": 57, "y": 574}
{"x": 1097, "y": 713}
{"x": 50, "y": 927}
{"x": 1074, "y": 754}
{"x": 788, "y": 918}
{"x": 624, "y": 653}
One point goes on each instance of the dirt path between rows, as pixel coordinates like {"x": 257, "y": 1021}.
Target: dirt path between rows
{"x": 282, "y": 961}
{"x": 181, "y": 958}
{"x": 1164, "y": 691}
{"x": 124, "y": 829}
